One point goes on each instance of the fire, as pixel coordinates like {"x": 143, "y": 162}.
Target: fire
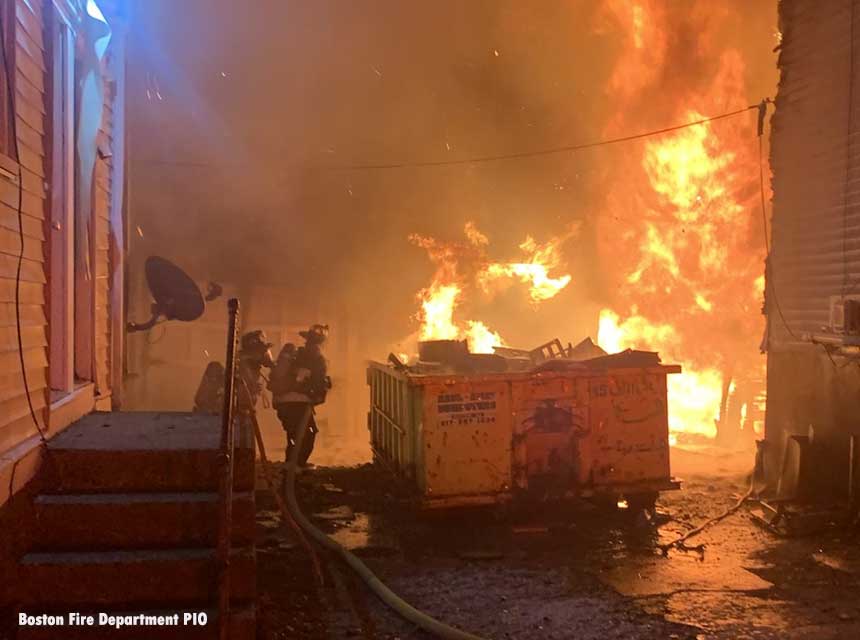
{"x": 461, "y": 267}
{"x": 681, "y": 233}
{"x": 694, "y": 394}
{"x": 481, "y": 339}
{"x": 541, "y": 259}
{"x": 437, "y": 304}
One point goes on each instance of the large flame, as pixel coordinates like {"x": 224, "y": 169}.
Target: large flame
{"x": 681, "y": 232}
{"x": 541, "y": 258}
{"x": 461, "y": 266}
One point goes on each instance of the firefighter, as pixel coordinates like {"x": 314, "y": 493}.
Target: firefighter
{"x": 254, "y": 354}
{"x": 299, "y": 379}
{"x": 209, "y": 398}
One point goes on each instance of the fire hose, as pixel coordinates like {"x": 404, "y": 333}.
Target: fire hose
{"x": 680, "y": 542}
{"x": 391, "y": 599}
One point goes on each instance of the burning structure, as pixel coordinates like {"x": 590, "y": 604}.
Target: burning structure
{"x": 684, "y": 234}
{"x": 647, "y": 236}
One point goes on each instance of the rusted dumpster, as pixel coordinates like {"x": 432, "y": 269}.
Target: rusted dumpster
{"x": 566, "y": 429}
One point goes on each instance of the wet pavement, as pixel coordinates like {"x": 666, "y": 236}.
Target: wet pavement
{"x": 560, "y": 571}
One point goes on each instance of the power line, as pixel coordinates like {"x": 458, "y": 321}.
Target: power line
{"x": 543, "y": 152}
{"x": 473, "y": 160}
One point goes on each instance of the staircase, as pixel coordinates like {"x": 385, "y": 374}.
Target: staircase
{"x": 128, "y": 525}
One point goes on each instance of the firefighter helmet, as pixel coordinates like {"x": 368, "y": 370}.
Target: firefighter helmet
{"x": 317, "y": 333}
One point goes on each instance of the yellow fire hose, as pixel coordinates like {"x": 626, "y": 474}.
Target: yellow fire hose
{"x": 391, "y": 599}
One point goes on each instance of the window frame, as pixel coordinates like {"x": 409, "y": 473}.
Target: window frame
{"x": 8, "y": 161}
{"x": 62, "y": 202}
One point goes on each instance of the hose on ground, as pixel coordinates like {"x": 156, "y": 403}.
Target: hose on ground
{"x": 270, "y": 481}
{"x": 680, "y": 542}
{"x": 391, "y": 599}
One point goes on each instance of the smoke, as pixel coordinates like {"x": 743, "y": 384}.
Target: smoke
{"x": 235, "y": 167}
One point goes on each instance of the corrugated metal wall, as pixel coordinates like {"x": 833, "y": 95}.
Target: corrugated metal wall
{"x": 815, "y": 157}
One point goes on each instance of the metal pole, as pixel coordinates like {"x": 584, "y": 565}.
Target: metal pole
{"x": 852, "y": 470}
{"x": 225, "y": 520}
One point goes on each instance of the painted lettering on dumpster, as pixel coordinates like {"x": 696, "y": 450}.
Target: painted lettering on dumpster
{"x": 466, "y": 408}
{"x": 633, "y": 400}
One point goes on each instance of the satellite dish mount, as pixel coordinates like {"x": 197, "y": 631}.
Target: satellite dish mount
{"x": 175, "y": 295}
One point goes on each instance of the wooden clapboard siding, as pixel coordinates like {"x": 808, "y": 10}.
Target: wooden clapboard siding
{"x": 31, "y": 270}
{"x": 13, "y": 386}
{"x": 32, "y": 227}
{"x": 31, "y": 315}
{"x": 29, "y": 85}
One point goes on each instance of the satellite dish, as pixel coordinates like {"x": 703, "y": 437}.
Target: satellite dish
{"x": 175, "y": 294}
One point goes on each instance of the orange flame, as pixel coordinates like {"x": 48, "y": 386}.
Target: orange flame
{"x": 459, "y": 266}
{"x": 541, "y": 259}
{"x": 681, "y": 235}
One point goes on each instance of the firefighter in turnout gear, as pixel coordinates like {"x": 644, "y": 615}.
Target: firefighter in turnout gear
{"x": 254, "y": 354}
{"x": 210, "y": 394}
{"x": 299, "y": 379}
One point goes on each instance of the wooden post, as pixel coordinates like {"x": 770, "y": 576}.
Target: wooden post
{"x": 225, "y": 519}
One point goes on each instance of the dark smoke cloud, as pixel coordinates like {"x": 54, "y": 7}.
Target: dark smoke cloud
{"x": 250, "y": 101}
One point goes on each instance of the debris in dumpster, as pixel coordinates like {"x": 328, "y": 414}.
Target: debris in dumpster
{"x": 548, "y": 351}
{"x": 585, "y": 350}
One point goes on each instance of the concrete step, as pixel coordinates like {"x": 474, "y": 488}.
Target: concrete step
{"x": 144, "y": 452}
{"x": 131, "y": 577}
{"x": 118, "y": 521}
{"x": 243, "y": 626}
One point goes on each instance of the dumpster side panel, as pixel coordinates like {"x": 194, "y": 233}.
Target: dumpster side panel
{"x": 416, "y": 407}
{"x": 389, "y": 420}
{"x": 466, "y": 439}
{"x": 551, "y": 423}
{"x": 630, "y": 429}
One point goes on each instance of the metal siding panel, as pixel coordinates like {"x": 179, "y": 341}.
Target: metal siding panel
{"x": 816, "y": 238}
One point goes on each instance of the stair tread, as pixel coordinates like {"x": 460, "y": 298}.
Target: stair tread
{"x": 136, "y": 497}
{"x": 141, "y": 431}
{"x": 120, "y": 556}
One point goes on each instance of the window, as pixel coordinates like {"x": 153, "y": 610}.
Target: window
{"x": 62, "y": 238}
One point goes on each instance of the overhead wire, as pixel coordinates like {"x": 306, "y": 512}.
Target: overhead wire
{"x": 546, "y": 151}
{"x": 12, "y": 117}
{"x": 475, "y": 159}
